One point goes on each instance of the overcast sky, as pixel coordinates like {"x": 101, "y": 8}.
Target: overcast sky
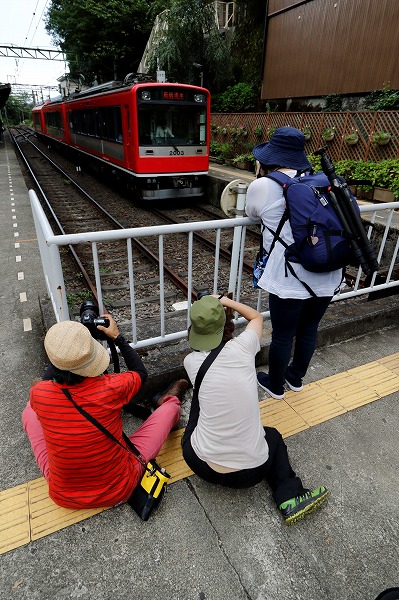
{"x": 21, "y": 24}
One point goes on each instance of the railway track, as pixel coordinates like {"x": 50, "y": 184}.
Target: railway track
{"x": 75, "y": 203}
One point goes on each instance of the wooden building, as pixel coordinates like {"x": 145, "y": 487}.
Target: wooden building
{"x": 318, "y": 47}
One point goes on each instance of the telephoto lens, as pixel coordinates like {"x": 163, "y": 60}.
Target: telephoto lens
{"x": 89, "y": 317}
{"x": 202, "y": 294}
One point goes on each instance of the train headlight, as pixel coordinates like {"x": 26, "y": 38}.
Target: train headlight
{"x": 145, "y": 95}
{"x": 199, "y": 98}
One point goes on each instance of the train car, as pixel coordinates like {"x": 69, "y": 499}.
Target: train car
{"x": 153, "y": 136}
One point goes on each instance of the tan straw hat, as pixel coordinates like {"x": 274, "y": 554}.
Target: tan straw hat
{"x": 70, "y": 347}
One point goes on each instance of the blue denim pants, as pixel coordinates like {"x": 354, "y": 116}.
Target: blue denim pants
{"x": 291, "y": 319}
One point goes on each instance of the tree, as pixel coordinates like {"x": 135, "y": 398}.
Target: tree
{"x": 18, "y": 109}
{"x": 102, "y": 40}
{"x": 192, "y": 38}
{"x": 247, "y": 45}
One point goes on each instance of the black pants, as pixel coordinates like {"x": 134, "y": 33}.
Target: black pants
{"x": 276, "y": 470}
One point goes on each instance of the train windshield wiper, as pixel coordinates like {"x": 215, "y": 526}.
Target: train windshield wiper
{"x": 172, "y": 144}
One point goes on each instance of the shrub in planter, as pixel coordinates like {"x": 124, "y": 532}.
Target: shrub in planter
{"x": 381, "y": 138}
{"x": 352, "y": 138}
{"x": 328, "y": 134}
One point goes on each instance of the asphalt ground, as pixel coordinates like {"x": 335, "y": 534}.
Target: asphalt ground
{"x": 205, "y": 542}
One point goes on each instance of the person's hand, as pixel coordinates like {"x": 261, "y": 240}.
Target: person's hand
{"x": 112, "y": 330}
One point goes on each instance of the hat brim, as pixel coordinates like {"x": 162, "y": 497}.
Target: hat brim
{"x": 294, "y": 159}
{"x": 204, "y": 342}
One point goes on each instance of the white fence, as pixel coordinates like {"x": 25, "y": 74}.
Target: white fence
{"x": 382, "y": 216}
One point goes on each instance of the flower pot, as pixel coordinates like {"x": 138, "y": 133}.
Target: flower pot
{"x": 329, "y": 137}
{"x": 307, "y": 136}
{"x": 383, "y": 195}
{"x": 242, "y": 165}
{"x": 383, "y": 142}
{"x": 352, "y": 141}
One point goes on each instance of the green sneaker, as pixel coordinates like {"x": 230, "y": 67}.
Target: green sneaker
{"x": 295, "y": 509}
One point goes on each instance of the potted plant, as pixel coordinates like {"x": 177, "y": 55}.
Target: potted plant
{"x": 271, "y": 130}
{"x": 258, "y": 131}
{"x": 352, "y": 138}
{"x": 242, "y": 161}
{"x": 307, "y": 133}
{"x": 381, "y": 138}
{"x": 328, "y": 134}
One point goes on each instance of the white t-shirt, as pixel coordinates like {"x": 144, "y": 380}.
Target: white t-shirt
{"x": 265, "y": 200}
{"x": 229, "y": 430}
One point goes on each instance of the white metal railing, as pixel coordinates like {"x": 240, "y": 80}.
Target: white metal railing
{"x": 382, "y": 214}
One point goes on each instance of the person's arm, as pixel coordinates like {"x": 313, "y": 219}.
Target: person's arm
{"x": 254, "y": 318}
{"x": 132, "y": 359}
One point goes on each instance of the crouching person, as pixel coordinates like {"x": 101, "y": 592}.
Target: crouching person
{"x": 83, "y": 466}
{"x": 224, "y": 441}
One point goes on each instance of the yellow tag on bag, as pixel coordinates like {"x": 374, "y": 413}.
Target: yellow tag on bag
{"x": 149, "y": 492}
{"x": 154, "y": 479}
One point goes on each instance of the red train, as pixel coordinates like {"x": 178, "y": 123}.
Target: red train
{"x": 152, "y": 136}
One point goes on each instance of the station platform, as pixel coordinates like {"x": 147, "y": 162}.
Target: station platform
{"x": 206, "y": 542}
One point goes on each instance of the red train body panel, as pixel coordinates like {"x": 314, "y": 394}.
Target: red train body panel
{"x": 156, "y": 134}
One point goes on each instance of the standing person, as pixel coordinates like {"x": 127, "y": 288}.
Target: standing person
{"x": 85, "y": 468}
{"x": 294, "y": 313}
{"x": 224, "y": 441}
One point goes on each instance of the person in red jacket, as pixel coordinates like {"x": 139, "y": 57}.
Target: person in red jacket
{"x": 85, "y": 468}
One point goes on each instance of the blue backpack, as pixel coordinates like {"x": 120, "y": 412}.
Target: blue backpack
{"x": 320, "y": 242}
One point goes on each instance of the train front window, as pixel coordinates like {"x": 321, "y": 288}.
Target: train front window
{"x": 181, "y": 125}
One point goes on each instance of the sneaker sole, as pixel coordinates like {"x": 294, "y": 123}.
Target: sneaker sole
{"x": 275, "y": 396}
{"x": 301, "y": 514}
{"x": 292, "y": 387}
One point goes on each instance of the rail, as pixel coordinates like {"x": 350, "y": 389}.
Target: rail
{"x": 381, "y": 217}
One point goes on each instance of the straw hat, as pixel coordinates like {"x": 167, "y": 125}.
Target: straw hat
{"x": 285, "y": 149}
{"x": 70, "y": 347}
{"x": 207, "y": 323}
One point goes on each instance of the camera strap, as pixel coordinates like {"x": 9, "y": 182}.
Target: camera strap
{"x": 131, "y": 448}
{"x": 205, "y": 366}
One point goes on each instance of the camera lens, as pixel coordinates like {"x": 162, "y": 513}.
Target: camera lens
{"x": 202, "y": 294}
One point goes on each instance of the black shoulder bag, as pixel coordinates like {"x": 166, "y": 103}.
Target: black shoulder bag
{"x": 149, "y": 492}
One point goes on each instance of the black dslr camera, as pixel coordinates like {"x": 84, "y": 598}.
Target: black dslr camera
{"x": 202, "y": 293}
{"x": 89, "y": 317}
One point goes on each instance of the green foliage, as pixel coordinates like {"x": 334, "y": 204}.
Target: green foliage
{"x": 383, "y": 174}
{"x": 237, "y": 98}
{"x": 18, "y": 109}
{"x": 247, "y": 44}
{"x": 385, "y": 99}
{"x": 333, "y": 103}
{"x": 192, "y": 36}
{"x": 102, "y": 40}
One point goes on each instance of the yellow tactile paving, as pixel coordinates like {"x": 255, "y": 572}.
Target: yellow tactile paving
{"x": 280, "y": 415}
{"x": 46, "y": 517}
{"x": 14, "y": 518}
{"x": 314, "y": 404}
{"x": 27, "y": 513}
{"x": 347, "y": 390}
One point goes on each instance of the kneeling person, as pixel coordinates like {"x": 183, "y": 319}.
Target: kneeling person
{"x": 224, "y": 441}
{"x": 83, "y": 466}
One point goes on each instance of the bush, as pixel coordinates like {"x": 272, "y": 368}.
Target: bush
{"x": 237, "y": 98}
{"x": 383, "y": 174}
{"x": 384, "y": 99}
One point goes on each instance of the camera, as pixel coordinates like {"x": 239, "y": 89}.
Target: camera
{"x": 89, "y": 317}
{"x": 202, "y": 293}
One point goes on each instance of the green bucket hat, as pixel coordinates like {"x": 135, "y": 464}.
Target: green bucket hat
{"x": 207, "y": 323}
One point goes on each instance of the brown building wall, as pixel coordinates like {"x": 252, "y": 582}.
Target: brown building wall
{"x": 320, "y": 47}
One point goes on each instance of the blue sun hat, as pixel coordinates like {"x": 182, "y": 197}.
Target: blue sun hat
{"x": 285, "y": 149}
